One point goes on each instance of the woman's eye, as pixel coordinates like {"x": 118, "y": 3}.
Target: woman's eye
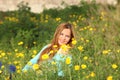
{"x": 67, "y": 36}
{"x": 61, "y": 33}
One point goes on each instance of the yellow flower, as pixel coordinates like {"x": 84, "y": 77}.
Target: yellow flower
{"x": 34, "y": 42}
{"x": 82, "y": 39}
{"x": 51, "y": 51}
{"x": 77, "y": 67}
{"x": 3, "y": 54}
{"x": 2, "y": 67}
{"x": 106, "y": 51}
{"x": 58, "y": 19}
{"x": 34, "y": 51}
{"x": 91, "y": 29}
{"x": 24, "y": 71}
{"x": 74, "y": 41}
{"x": 53, "y": 62}
{"x": 80, "y": 48}
{"x": 85, "y": 58}
{"x": 87, "y": 41}
{"x": 0, "y": 71}
{"x": 17, "y": 67}
{"x": 29, "y": 63}
{"x": 16, "y": 50}
{"x": 68, "y": 60}
{"x": 109, "y": 78}
{"x": 55, "y": 46}
{"x": 114, "y": 66}
{"x": 18, "y": 71}
{"x": 83, "y": 66}
{"x": 45, "y": 56}
{"x": 92, "y": 74}
{"x": 20, "y": 55}
{"x": 20, "y": 43}
{"x": 118, "y": 51}
{"x": 15, "y": 62}
{"x": 65, "y": 47}
{"x": 35, "y": 66}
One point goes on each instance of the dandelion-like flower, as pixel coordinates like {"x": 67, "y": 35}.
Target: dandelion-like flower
{"x": 106, "y": 51}
{"x": 77, "y": 67}
{"x": 92, "y": 74}
{"x": 83, "y": 66}
{"x": 35, "y": 66}
{"x": 74, "y": 41}
{"x": 53, "y": 62}
{"x": 85, "y": 58}
{"x": 45, "y": 56}
{"x": 114, "y": 66}
{"x": 109, "y": 78}
{"x": 68, "y": 60}
{"x": 0, "y": 71}
{"x": 55, "y": 46}
{"x": 65, "y": 47}
{"x": 20, "y": 43}
{"x": 81, "y": 48}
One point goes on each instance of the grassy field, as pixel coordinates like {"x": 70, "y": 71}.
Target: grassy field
{"x": 96, "y": 55}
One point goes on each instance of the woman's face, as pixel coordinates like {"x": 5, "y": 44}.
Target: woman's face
{"x": 64, "y": 37}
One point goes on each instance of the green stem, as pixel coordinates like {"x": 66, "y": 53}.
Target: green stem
{"x": 70, "y": 74}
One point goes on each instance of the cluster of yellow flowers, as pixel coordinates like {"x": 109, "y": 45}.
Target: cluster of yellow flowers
{"x": 20, "y": 43}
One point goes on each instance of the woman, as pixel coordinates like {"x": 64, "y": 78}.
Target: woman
{"x": 62, "y": 36}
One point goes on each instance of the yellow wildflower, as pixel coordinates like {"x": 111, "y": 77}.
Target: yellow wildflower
{"x": 64, "y": 47}
{"x": 68, "y": 60}
{"x": 34, "y": 51}
{"x": 35, "y": 66}
{"x": 34, "y": 42}
{"x": 80, "y": 48}
{"x": 114, "y": 66}
{"x": 29, "y": 63}
{"x": 15, "y": 62}
{"x": 51, "y": 51}
{"x": 16, "y": 50}
{"x": 0, "y": 71}
{"x": 92, "y": 74}
{"x": 55, "y": 46}
{"x": 18, "y": 71}
{"x": 85, "y": 58}
{"x": 87, "y": 41}
{"x": 83, "y": 66}
{"x": 45, "y": 56}
{"x": 2, "y": 67}
{"x": 118, "y": 51}
{"x": 109, "y": 78}
{"x": 24, "y": 71}
{"x": 3, "y": 54}
{"x": 20, "y": 43}
{"x": 74, "y": 41}
{"x": 53, "y": 62}
{"x": 77, "y": 67}
{"x": 91, "y": 29}
{"x": 105, "y": 51}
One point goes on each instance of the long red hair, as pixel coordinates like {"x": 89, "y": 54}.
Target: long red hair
{"x": 55, "y": 40}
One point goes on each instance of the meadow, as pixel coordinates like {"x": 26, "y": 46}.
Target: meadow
{"x": 96, "y": 52}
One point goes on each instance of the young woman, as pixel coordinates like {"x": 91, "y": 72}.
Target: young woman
{"x": 62, "y": 36}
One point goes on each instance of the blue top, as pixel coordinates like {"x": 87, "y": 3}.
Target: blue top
{"x": 58, "y": 58}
